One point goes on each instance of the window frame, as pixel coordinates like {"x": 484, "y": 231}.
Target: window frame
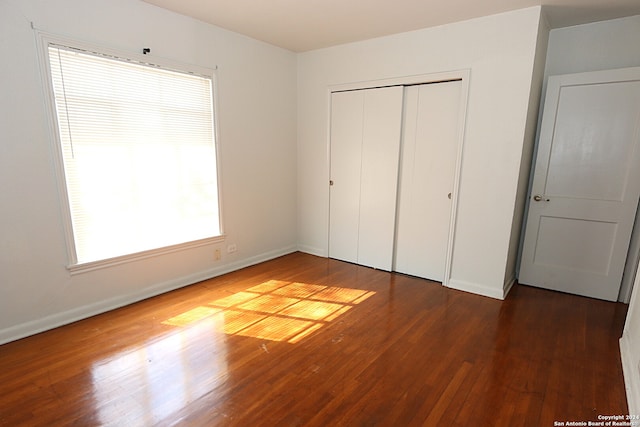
{"x": 43, "y": 41}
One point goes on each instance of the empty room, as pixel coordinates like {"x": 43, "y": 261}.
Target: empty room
{"x": 297, "y": 213}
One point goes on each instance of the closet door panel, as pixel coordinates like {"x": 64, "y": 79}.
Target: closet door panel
{"x": 346, "y": 159}
{"x": 431, "y": 129}
{"x": 382, "y": 127}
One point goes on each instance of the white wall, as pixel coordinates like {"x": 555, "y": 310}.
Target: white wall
{"x": 528, "y": 149}
{"x": 257, "y": 119}
{"x": 592, "y": 47}
{"x": 630, "y": 351}
{"x": 500, "y": 51}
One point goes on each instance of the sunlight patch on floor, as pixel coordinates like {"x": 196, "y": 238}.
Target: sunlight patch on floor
{"x": 276, "y": 310}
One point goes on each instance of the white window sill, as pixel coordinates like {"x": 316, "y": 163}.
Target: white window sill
{"x": 110, "y": 262}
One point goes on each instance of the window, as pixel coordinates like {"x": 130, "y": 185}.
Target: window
{"x": 137, "y": 144}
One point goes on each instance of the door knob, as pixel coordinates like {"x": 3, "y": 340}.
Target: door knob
{"x": 538, "y": 198}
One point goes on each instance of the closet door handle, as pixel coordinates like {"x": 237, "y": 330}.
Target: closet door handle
{"x": 539, "y": 198}
{"x": 449, "y": 196}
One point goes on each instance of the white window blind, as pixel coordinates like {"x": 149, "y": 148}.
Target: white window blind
{"x": 139, "y": 153}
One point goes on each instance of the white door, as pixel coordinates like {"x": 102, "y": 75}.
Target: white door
{"x": 365, "y": 145}
{"x": 431, "y": 129}
{"x": 347, "y": 112}
{"x": 586, "y": 184}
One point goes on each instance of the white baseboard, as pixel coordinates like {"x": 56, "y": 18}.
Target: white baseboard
{"x": 507, "y": 287}
{"x": 478, "y": 289}
{"x": 313, "y": 251}
{"x": 59, "y": 319}
{"x": 631, "y": 377}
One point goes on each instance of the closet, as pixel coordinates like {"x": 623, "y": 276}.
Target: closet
{"x": 393, "y": 154}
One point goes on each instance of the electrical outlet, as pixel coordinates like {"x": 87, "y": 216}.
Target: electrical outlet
{"x": 232, "y": 248}
{"x": 217, "y": 255}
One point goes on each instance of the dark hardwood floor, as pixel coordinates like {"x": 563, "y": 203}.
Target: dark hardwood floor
{"x": 303, "y": 340}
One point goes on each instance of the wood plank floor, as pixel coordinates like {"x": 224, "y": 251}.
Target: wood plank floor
{"x": 303, "y": 340}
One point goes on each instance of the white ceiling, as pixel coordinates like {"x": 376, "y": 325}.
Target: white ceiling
{"x": 302, "y": 25}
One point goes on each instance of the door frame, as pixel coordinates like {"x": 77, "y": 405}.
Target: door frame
{"x": 462, "y": 75}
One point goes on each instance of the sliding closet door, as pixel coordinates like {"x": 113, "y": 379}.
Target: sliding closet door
{"x": 431, "y": 128}
{"x": 347, "y": 112}
{"x": 365, "y": 145}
